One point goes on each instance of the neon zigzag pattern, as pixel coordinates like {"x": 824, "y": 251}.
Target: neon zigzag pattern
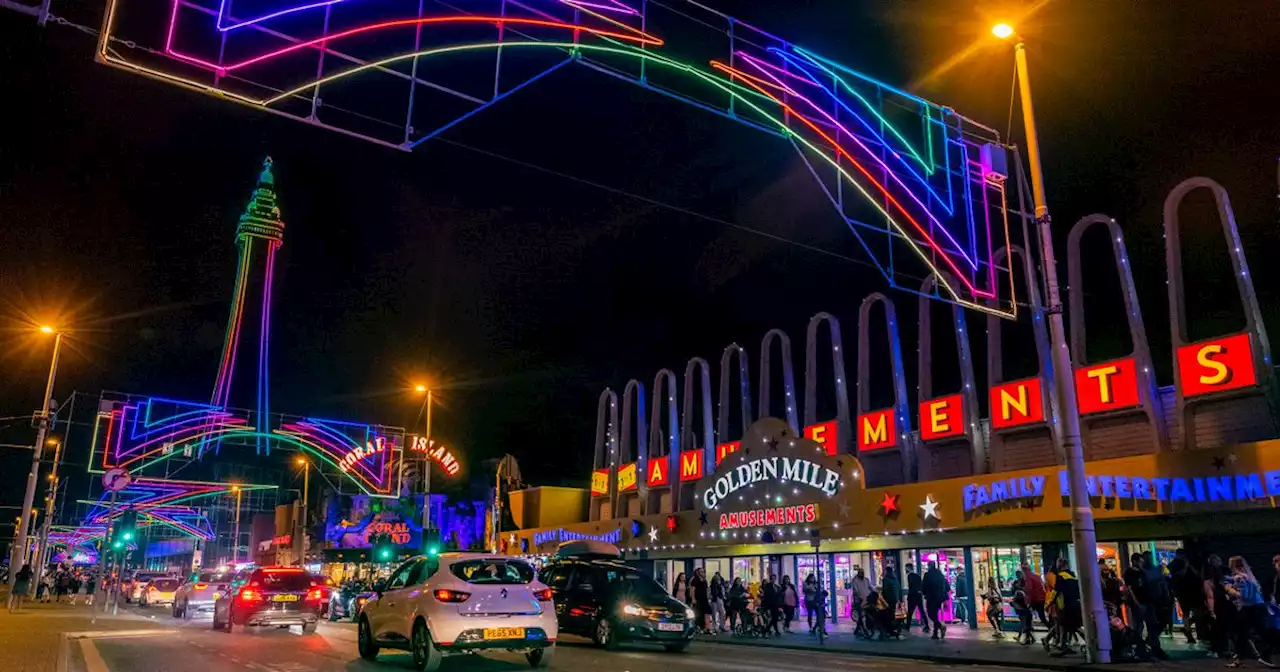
{"x": 809, "y": 68}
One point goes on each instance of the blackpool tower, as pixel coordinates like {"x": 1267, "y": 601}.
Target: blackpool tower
{"x": 259, "y": 235}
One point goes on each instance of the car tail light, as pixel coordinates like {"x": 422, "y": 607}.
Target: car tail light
{"x": 543, "y": 595}
{"x": 201, "y": 586}
{"x": 444, "y": 595}
{"x": 248, "y": 595}
{"x": 315, "y": 595}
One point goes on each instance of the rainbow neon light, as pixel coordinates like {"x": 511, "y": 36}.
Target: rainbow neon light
{"x": 933, "y": 196}
{"x": 367, "y": 457}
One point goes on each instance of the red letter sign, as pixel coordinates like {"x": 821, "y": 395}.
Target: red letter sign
{"x": 690, "y": 465}
{"x": 942, "y": 417}
{"x": 1216, "y": 365}
{"x": 877, "y": 430}
{"x": 657, "y": 472}
{"x": 824, "y": 434}
{"x": 1016, "y": 403}
{"x": 725, "y": 450}
{"x": 1107, "y": 386}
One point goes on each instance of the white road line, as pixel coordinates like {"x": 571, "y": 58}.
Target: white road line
{"x": 93, "y": 661}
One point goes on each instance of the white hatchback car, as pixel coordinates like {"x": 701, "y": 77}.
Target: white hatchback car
{"x": 460, "y": 603}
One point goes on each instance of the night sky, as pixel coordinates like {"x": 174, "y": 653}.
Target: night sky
{"x": 521, "y": 293}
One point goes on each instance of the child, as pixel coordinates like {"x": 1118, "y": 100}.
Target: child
{"x": 995, "y": 608}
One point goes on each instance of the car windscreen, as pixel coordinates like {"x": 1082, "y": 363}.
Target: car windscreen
{"x": 487, "y": 571}
{"x": 283, "y": 580}
{"x": 165, "y": 584}
{"x": 632, "y": 583}
{"x": 212, "y": 577}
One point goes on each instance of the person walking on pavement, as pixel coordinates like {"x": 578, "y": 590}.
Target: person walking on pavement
{"x": 21, "y": 586}
{"x": 701, "y": 597}
{"x": 891, "y": 593}
{"x": 936, "y": 588}
{"x": 719, "y": 588}
{"x": 1251, "y": 629}
{"x": 1219, "y": 608}
{"x": 679, "y": 590}
{"x": 811, "y": 599}
{"x": 789, "y": 601}
{"x": 915, "y": 598}
{"x": 962, "y": 597}
{"x": 860, "y": 590}
{"x": 1189, "y": 591}
{"x": 770, "y": 601}
{"x": 1036, "y": 593}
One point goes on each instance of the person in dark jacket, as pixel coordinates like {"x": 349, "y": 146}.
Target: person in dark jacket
{"x": 700, "y": 590}
{"x": 738, "y": 600}
{"x": 915, "y": 598}
{"x": 771, "y": 602}
{"x": 1189, "y": 591}
{"x": 891, "y": 593}
{"x": 935, "y": 588}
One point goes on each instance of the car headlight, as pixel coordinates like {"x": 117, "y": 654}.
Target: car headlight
{"x": 633, "y": 610}
{"x": 688, "y": 613}
{"x": 217, "y": 596}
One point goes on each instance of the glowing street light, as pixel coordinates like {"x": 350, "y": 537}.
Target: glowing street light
{"x": 1084, "y": 537}
{"x": 426, "y": 497}
{"x": 420, "y": 389}
{"x": 300, "y": 527}
{"x": 46, "y": 329}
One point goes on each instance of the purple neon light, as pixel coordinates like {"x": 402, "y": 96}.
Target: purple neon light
{"x": 331, "y": 440}
{"x": 892, "y": 174}
{"x": 218, "y": 419}
{"x": 612, "y": 6}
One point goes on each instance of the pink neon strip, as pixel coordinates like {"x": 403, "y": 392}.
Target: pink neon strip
{"x": 836, "y": 145}
{"x": 638, "y": 36}
{"x": 326, "y": 439}
{"x": 177, "y": 427}
{"x": 223, "y": 427}
{"x": 614, "y": 6}
{"x": 893, "y": 174}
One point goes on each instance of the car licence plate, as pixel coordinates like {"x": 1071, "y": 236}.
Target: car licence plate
{"x": 504, "y": 633}
{"x": 671, "y": 627}
{"x": 285, "y": 598}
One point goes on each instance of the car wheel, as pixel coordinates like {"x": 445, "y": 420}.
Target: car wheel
{"x": 364, "y": 640}
{"x": 426, "y": 656}
{"x": 174, "y": 610}
{"x": 676, "y": 648}
{"x": 310, "y": 628}
{"x": 333, "y": 614}
{"x": 186, "y": 612}
{"x": 606, "y": 634}
{"x": 541, "y": 657}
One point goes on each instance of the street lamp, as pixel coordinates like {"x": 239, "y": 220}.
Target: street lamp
{"x": 1097, "y": 630}
{"x": 426, "y": 474}
{"x": 42, "y": 544}
{"x": 18, "y": 553}
{"x": 235, "y": 552}
{"x": 299, "y": 546}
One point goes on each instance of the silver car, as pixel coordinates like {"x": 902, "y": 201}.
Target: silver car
{"x": 138, "y": 584}
{"x": 197, "y": 595}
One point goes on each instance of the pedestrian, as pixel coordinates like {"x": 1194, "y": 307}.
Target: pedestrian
{"x": 936, "y": 588}
{"x": 790, "y": 599}
{"x": 891, "y": 593}
{"x": 91, "y": 586}
{"x": 1189, "y": 591}
{"x": 860, "y": 590}
{"x": 738, "y": 600}
{"x": 1037, "y": 594}
{"x": 64, "y": 585}
{"x": 1112, "y": 590}
{"x": 1022, "y": 608}
{"x": 76, "y": 588}
{"x": 21, "y": 586}
{"x": 963, "y": 596}
{"x": 678, "y": 590}
{"x": 1144, "y": 596}
{"x": 1160, "y": 592}
{"x": 719, "y": 590}
{"x": 994, "y": 602}
{"x": 1251, "y": 629}
{"x": 811, "y": 599}
{"x": 701, "y": 597}
{"x": 1066, "y": 604}
{"x": 915, "y": 598}
{"x": 1219, "y": 608}
{"x": 771, "y": 601}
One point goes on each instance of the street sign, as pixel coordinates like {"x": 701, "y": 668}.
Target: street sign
{"x": 116, "y": 479}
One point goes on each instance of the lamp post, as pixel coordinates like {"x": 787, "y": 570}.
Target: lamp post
{"x": 426, "y": 469}
{"x": 1097, "y": 631}
{"x": 300, "y": 528}
{"x": 18, "y": 552}
{"x": 42, "y": 546}
{"x": 235, "y": 544}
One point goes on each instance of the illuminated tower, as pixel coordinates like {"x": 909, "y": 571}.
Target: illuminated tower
{"x": 259, "y": 236}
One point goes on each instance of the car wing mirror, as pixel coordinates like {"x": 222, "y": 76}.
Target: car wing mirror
{"x": 379, "y": 587}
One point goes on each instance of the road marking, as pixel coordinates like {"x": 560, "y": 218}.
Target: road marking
{"x": 93, "y": 661}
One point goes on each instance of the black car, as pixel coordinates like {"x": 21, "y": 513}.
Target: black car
{"x": 349, "y": 600}
{"x": 612, "y": 602}
{"x": 280, "y": 596}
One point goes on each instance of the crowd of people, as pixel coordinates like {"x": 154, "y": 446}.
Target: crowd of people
{"x": 1221, "y": 605}
{"x": 59, "y": 584}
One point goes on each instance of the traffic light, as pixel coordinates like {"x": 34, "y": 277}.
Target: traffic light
{"x": 384, "y": 550}
{"x": 431, "y": 542}
{"x": 127, "y": 525}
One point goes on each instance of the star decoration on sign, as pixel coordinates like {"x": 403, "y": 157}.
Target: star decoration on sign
{"x": 844, "y": 510}
{"x": 889, "y": 504}
{"x": 1232, "y": 458}
{"x": 512, "y": 539}
{"x": 653, "y": 534}
{"x": 1219, "y": 463}
{"x": 772, "y": 443}
{"x": 840, "y": 464}
{"x": 702, "y": 518}
{"x": 930, "y": 508}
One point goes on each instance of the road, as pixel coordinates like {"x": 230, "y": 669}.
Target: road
{"x": 175, "y": 645}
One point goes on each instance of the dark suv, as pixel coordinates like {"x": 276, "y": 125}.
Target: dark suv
{"x": 612, "y": 602}
{"x": 281, "y": 596}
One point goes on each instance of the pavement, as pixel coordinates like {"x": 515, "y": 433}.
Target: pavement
{"x": 63, "y": 638}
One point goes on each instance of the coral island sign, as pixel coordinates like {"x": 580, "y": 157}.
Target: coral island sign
{"x": 397, "y": 530}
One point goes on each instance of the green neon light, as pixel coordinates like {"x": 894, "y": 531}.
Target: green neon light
{"x": 728, "y": 86}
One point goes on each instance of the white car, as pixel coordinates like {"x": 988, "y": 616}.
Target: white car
{"x": 159, "y": 591}
{"x": 460, "y": 603}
